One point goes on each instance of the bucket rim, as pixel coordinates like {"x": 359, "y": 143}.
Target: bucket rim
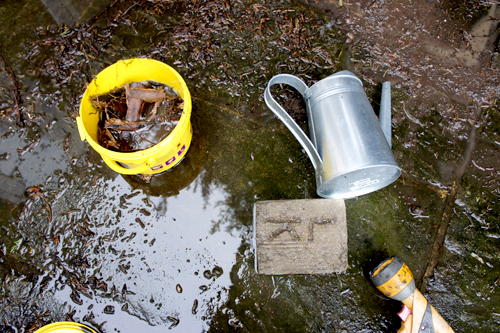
{"x": 175, "y": 135}
{"x": 65, "y": 325}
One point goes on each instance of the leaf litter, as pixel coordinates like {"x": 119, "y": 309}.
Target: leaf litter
{"x": 137, "y": 115}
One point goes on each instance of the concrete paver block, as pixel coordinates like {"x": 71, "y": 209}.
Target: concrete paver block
{"x": 306, "y": 236}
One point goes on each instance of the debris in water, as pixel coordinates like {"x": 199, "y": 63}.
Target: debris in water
{"x": 235, "y": 323}
{"x": 36, "y": 192}
{"x": 178, "y": 288}
{"x": 137, "y": 115}
{"x": 345, "y": 291}
{"x": 217, "y": 271}
{"x": 5, "y": 156}
{"x": 207, "y": 274}
{"x": 477, "y": 257}
{"x": 195, "y": 307}
{"x": 109, "y": 309}
{"x": 417, "y": 211}
{"x": 30, "y": 147}
{"x": 17, "y": 245}
{"x": 175, "y": 322}
{"x": 75, "y": 297}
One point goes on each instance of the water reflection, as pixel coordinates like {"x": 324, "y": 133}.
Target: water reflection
{"x": 40, "y": 150}
{"x": 70, "y": 12}
{"x": 11, "y": 189}
{"x": 62, "y": 11}
{"x": 142, "y": 247}
{"x": 172, "y": 181}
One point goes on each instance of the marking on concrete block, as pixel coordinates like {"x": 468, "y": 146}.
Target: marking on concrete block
{"x": 300, "y": 236}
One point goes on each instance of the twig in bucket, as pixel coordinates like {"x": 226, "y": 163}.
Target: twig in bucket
{"x": 144, "y": 138}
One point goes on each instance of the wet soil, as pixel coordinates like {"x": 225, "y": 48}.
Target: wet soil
{"x": 442, "y": 55}
{"x": 117, "y": 253}
{"x": 425, "y": 48}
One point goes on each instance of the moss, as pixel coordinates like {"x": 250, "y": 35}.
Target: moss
{"x": 490, "y": 123}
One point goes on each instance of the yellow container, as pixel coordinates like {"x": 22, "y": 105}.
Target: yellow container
{"x": 158, "y": 158}
{"x": 65, "y": 327}
{"x": 395, "y": 280}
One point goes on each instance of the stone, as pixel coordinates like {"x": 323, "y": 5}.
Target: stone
{"x": 307, "y": 236}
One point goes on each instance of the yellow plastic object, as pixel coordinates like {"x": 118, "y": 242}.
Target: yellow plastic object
{"x": 65, "y": 327}
{"x": 415, "y": 323}
{"x": 398, "y": 282}
{"x": 158, "y": 158}
{"x": 395, "y": 280}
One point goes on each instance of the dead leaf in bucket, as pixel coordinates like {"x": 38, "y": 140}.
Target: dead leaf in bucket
{"x": 137, "y": 115}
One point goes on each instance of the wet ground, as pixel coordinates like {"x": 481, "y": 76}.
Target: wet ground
{"x": 81, "y": 242}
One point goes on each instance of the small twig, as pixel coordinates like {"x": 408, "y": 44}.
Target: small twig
{"x": 129, "y": 8}
{"x": 143, "y": 138}
{"x": 17, "y": 96}
{"x": 99, "y": 15}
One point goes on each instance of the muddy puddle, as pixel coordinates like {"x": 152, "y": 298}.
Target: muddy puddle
{"x": 118, "y": 253}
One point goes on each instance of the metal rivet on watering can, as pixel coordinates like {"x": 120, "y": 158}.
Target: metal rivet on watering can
{"x": 349, "y": 149}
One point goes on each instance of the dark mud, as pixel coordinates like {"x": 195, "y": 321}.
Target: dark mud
{"x": 82, "y": 243}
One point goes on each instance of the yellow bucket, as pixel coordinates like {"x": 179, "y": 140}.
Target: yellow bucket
{"x": 158, "y": 158}
{"x": 65, "y": 327}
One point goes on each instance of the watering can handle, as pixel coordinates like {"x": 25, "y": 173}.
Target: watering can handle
{"x": 288, "y": 121}
{"x": 385, "y": 111}
{"x": 135, "y": 171}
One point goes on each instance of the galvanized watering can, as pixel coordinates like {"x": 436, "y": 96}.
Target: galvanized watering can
{"x": 350, "y": 150}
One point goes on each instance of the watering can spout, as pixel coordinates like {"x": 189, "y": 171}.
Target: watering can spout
{"x": 385, "y": 112}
